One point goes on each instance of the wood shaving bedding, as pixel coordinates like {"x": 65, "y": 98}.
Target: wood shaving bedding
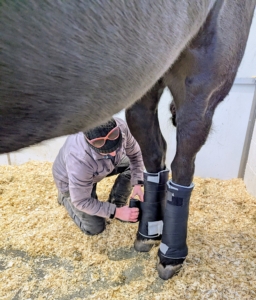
{"x": 43, "y": 255}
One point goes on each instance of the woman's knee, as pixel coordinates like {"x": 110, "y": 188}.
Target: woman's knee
{"x": 93, "y": 230}
{"x": 90, "y": 225}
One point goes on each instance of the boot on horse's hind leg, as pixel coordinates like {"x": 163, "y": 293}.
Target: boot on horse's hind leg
{"x": 151, "y": 221}
{"x": 173, "y": 248}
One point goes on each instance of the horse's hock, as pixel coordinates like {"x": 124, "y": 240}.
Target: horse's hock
{"x": 43, "y": 255}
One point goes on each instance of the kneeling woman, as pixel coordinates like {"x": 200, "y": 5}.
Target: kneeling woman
{"x": 88, "y": 157}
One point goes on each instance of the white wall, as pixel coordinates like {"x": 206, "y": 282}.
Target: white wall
{"x": 45, "y": 151}
{"x": 221, "y": 155}
{"x": 247, "y": 68}
{"x": 250, "y": 171}
{"x": 3, "y": 159}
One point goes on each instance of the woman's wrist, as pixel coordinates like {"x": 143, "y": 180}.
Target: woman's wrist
{"x": 112, "y": 216}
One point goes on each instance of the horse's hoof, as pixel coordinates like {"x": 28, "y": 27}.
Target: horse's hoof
{"x": 167, "y": 272}
{"x": 144, "y": 245}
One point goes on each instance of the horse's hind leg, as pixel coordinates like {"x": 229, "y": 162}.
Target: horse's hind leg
{"x": 142, "y": 119}
{"x": 199, "y": 80}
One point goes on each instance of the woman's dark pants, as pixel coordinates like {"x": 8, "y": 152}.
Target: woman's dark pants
{"x": 119, "y": 195}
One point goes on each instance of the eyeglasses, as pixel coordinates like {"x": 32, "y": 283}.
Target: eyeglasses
{"x": 100, "y": 142}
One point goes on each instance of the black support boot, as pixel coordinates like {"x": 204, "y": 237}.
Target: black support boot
{"x": 173, "y": 248}
{"x": 151, "y": 211}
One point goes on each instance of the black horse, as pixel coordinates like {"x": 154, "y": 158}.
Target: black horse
{"x": 199, "y": 80}
{"x": 66, "y": 66}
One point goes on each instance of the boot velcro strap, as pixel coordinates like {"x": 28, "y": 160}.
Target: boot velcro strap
{"x": 155, "y": 229}
{"x": 164, "y": 251}
{"x": 177, "y": 201}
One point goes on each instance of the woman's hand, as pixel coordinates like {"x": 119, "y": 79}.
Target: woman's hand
{"x": 137, "y": 191}
{"x": 126, "y": 213}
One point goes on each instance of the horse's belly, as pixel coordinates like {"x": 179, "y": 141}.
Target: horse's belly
{"x": 80, "y": 62}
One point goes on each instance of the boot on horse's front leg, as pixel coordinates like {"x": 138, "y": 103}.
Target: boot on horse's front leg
{"x": 152, "y": 209}
{"x": 173, "y": 248}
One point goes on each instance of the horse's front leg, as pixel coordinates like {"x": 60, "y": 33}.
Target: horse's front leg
{"x": 199, "y": 80}
{"x": 142, "y": 119}
{"x": 191, "y": 135}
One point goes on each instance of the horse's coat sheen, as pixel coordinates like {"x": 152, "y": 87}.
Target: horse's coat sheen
{"x": 66, "y": 66}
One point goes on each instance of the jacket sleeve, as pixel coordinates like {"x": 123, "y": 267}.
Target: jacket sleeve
{"x": 80, "y": 187}
{"x": 133, "y": 151}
